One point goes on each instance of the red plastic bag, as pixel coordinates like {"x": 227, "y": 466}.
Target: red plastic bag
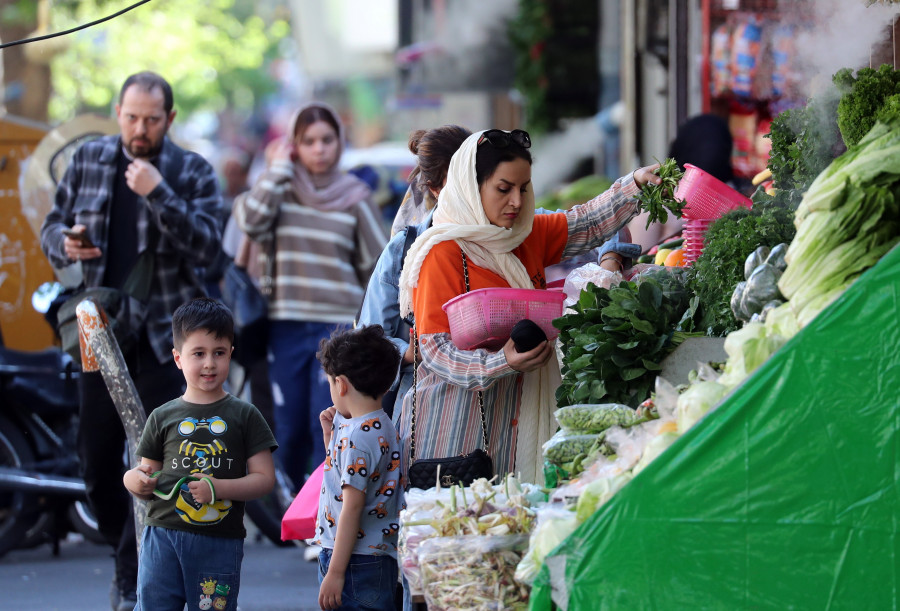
{"x": 299, "y": 521}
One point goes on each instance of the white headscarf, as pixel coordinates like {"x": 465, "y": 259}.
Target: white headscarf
{"x": 460, "y": 217}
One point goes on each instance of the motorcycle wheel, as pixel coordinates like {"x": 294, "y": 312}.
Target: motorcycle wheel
{"x": 18, "y": 514}
{"x": 83, "y": 522}
{"x": 266, "y": 513}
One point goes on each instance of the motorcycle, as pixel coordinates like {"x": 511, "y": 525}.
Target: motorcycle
{"x": 41, "y": 496}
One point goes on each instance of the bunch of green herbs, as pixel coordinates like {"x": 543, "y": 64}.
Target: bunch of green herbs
{"x": 657, "y": 199}
{"x": 804, "y": 141}
{"x": 614, "y": 341}
{"x": 720, "y": 267}
{"x": 870, "y": 96}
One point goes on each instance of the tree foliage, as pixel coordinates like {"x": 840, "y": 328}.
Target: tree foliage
{"x": 215, "y": 53}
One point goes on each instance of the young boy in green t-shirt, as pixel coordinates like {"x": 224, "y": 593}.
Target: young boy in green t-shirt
{"x": 202, "y": 456}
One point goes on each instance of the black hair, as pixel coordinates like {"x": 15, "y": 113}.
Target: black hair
{"x": 365, "y": 355}
{"x": 488, "y": 157}
{"x": 148, "y": 81}
{"x": 202, "y": 314}
{"x": 433, "y": 149}
{"x": 706, "y": 142}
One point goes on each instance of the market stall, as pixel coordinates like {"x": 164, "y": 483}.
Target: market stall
{"x": 764, "y": 480}
{"x": 785, "y": 496}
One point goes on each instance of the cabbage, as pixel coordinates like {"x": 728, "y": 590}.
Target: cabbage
{"x": 544, "y": 539}
{"x": 597, "y": 492}
{"x": 657, "y": 446}
{"x": 782, "y": 322}
{"x": 698, "y": 399}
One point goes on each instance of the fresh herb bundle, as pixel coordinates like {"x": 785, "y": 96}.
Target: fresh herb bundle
{"x": 727, "y": 244}
{"x": 614, "y": 341}
{"x": 804, "y": 141}
{"x": 655, "y": 199}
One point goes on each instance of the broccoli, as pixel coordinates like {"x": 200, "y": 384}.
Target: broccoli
{"x": 863, "y": 98}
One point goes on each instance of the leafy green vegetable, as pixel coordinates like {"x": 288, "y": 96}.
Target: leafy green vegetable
{"x": 694, "y": 402}
{"x": 728, "y": 242}
{"x": 614, "y": 341}
{"x": 849, "y": 218}
{"x": 866, "y": 98}
{"x": 549, "y": 533}
{"x": 747, "y": 349}
{"x": 597, "y": 492}
{"x": 655, "y": 199}
{"x": 659, "y": 444}
{"x": 804, "y": 141}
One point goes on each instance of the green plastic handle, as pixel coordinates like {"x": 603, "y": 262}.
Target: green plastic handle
{"x": 187, "y": 478}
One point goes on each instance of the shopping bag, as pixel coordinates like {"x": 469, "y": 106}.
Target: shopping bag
{"x": 299, "y": 521}
{"x": 251, "y": 315}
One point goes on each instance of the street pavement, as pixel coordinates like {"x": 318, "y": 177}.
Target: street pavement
{"x": 273, "y": 578}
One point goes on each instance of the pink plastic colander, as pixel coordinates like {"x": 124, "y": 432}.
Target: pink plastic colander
{"x": 707, "y": 197}
{"x": 484, "y": 318}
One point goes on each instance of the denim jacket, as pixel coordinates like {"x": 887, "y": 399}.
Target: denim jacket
{"x": 381, "y": 305}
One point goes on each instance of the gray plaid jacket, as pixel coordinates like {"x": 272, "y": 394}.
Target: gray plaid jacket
{"x": 187, "y": 215}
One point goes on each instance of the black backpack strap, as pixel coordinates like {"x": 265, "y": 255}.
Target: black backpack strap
{"x": 411, "y": 235}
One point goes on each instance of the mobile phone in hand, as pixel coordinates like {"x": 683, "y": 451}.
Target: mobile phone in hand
{"x": 80, "y": 236}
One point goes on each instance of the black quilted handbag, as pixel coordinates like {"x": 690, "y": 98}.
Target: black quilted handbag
{"x": 462, "y": 469}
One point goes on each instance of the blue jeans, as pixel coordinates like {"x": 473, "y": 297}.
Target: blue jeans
{"x": 300, "y": 391}
{"x": 369, "y": 583}
{"x": 178, "y": 567}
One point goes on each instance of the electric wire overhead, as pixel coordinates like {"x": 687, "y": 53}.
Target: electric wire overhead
{"x": 81, "y": 27}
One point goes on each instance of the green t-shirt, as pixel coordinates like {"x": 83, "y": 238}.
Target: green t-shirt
{"x": 195, "y": 439}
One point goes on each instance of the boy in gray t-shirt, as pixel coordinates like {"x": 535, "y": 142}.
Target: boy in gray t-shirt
{"x": 362, "y": 486}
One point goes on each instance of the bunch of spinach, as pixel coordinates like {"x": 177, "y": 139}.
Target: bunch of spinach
{"x": 616, "y": 338}
{"x": 655, "y": 199}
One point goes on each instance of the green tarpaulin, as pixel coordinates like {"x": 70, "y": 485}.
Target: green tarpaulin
{"x": 784, "y": 497}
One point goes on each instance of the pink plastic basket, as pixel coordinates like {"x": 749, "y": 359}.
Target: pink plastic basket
{"x": 694, "y": 236}
{"x": 484, "y": 318}
{"x": 707, "y": 196}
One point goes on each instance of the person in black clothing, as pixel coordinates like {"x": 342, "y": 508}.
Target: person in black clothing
{"x": 706, "y": 142}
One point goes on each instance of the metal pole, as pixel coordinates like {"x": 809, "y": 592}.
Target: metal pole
{"x": 100, "y": 351}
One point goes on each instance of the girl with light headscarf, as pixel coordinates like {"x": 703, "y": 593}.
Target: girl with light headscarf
{"x": 327, "y": 236}
{"x": 486, "y": 212}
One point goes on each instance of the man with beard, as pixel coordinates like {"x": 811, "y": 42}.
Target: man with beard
{"x": 129, "y": 194}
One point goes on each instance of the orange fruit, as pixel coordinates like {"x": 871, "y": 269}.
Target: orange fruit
{"x": 675, "y": 258}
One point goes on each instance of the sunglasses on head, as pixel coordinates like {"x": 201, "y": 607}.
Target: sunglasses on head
{"x": 501, "y": 139}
